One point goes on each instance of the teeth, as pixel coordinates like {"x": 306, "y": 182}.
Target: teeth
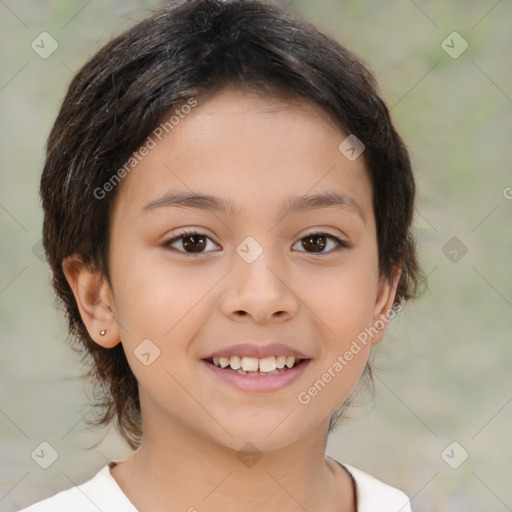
{"x": 250, "y": 364}
{"x": 280, "y": 361}
{"x": 235, "y": 362}
{"x": 268, "y": 365}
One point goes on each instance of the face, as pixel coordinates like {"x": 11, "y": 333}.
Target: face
{"x": 282, "y": 263}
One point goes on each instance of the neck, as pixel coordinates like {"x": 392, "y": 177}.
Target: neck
{"x": 176, "y": 466}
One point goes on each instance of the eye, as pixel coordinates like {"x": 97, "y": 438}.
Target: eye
{"x": 192, "y": 241}
{"x": 195, "y": 242}
{"x": 317, "y": 241}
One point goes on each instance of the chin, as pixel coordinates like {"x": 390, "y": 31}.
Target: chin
{"x": 265, "y": 433}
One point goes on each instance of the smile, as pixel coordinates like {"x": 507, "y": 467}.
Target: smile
{"x": 257, "y": 375}
{"x": 272, "y": 365}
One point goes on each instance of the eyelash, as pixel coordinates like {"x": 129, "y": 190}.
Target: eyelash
{"x": 192, "y": 232}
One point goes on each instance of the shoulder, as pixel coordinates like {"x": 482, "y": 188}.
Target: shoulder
{"x": 99, "y": 493}
{"x": 376, "y": 496}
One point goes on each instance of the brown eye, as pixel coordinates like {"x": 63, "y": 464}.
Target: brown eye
{"x": 192, "y": 242}
{"x": 317, "y": 242}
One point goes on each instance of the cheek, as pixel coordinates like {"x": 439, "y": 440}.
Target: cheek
{"x": 343, "y": 302}
{"x": 158, "y": 311}
{"x": 155, "y": 297}
{"x": 345, "y": 313}
{"x": 158, "y": 308}
{"x": 342, "y": 297}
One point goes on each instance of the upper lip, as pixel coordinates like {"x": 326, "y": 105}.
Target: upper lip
{"x": 257, "y": 350}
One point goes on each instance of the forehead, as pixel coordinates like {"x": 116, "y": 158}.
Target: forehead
{"x": 255, "y": 152}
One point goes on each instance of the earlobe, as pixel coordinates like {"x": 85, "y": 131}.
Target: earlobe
{"x": 94, "y": 299}
{"x": 384, "y": 303}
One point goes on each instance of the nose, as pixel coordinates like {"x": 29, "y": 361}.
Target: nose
{"x": 260, "y": 291}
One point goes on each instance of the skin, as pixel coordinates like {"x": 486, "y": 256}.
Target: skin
{"x": 255, "y": 152}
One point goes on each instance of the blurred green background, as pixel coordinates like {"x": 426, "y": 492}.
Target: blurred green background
{"x": 442, "y": 373}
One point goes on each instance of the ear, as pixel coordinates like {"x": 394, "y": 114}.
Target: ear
{"x": 384, "y": 302}
{"x": 94, "y": 299}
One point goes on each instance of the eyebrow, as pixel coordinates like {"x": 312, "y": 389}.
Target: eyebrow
{"x": 294, "y": 204}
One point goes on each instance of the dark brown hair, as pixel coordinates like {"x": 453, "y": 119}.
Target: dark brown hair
{"x": 131, "y": 84}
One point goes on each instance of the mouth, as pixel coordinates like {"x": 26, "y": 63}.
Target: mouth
{"x": 256, "y": 375}
{"x": 245, "y": 365}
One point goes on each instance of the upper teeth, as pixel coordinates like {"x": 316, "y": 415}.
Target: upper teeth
{"x": 265, "y": 364}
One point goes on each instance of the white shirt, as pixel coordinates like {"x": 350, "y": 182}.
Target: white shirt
{"x": 102, "y": 492}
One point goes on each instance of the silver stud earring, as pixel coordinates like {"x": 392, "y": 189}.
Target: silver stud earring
{"x": 103, "y": 332}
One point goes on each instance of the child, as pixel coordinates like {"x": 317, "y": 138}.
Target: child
{"x": 227, "y": 216}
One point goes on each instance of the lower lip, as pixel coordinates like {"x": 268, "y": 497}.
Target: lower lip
{"x": 258, "y": 383}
